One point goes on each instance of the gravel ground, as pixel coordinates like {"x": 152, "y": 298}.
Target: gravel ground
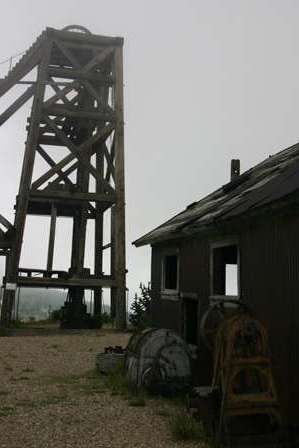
{"x": 47, "y": 398}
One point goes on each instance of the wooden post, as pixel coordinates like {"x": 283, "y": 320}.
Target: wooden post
{"x": 112, "y": 265}
{"x": 52, "y": 238}
{"x": 18, "y": 304}
{"x": 120, "y": 237}
{"x": 98, "y": 234}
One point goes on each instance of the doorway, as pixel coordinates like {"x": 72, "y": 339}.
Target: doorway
{"x": 191, "y": 321}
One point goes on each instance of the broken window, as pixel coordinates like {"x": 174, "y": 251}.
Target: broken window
{"x": 225, "y": 270}
{"x": 170, "y": 272}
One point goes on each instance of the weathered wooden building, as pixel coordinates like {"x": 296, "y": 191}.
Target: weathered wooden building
{"x": 240, "y": 242}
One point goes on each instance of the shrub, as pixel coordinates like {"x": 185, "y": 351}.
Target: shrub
{"x": 4, "y": 332}
{"x": 184, "y": 427}
{"x": 55, "y": 315}
{"x": 106, "y": 318}
{"x": 138, "y": 401}
{"x": 17, "y": 323}
{"x": 95, "y": 321}
{"x": 117, "y": 382}
{"x": 139, "y": 310}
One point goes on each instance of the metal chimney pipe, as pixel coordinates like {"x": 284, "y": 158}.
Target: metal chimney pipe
{"x": 234, "y": 168}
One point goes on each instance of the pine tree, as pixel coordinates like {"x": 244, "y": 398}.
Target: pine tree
{"x": 139, "y": 309}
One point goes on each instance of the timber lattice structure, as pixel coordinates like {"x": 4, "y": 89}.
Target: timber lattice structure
{"x": 77, "y": 108}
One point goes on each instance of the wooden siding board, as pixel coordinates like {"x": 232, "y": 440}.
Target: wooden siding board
{"x": 270, "y": 283}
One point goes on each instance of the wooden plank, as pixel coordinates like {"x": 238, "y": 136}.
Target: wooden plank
{"x": 47, "y": 140}
{"x": 16, "y": 105}
{"x": 48, "y": 282}
{"x": 76, "y": 196}
{"x": 69, "y": 73}
{"x": 120, "y": 238}
{"x": 40, "y": 271}
{"x": 60, "y": 110}
{"x": 68, "y": 208}
{"x": 106, "y": 246}
{"x": 5, "y": 222}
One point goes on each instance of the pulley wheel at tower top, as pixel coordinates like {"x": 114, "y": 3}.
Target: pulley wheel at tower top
{"x": 76, "y": 29}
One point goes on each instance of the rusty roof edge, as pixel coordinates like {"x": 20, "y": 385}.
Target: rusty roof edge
{"x": 217, "y": 223}
{"x": 148, "y": 239}
{"x": 253, "y": 212}
{"x": 139, "y": 242}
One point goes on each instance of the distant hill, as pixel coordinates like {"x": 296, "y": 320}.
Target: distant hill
{"x": 38, "y": 303}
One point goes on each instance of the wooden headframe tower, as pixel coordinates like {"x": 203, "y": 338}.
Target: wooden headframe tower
{"x": 77, "y": 108}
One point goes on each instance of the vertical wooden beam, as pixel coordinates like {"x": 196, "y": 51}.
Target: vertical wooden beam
{"x": 112, "y": 265}
{"x": 52, "y": 238}
{"x": 82, "y": 183}
{"x": 99, "y": 219}
{"x": 120, "y": 237}
{"x": 98, "y": 235}
{"x": 25, "y": 183}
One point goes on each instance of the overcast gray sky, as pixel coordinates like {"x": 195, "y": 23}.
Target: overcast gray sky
{"x": 205, "y": 81}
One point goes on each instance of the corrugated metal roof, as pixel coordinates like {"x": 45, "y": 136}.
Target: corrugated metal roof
{"x": 274, "y": 178}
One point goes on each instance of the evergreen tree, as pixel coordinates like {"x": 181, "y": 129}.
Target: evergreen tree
{"x": 139, "y": 309}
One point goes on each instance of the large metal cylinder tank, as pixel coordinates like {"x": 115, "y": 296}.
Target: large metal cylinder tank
{"x": 158, "y": 360}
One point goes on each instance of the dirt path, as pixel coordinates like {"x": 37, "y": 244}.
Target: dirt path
{"x": 48, "y": 398}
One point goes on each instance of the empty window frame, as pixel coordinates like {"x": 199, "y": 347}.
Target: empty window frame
{"x": 225, "y": 268}
{"x": 170, "y": 272}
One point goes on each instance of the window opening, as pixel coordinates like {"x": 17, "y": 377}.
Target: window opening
{"x": 170, "y": 272}
{"x": 225, "y": 270}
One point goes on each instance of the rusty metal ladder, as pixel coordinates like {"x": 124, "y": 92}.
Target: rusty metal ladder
{"x": 244, "y": 376}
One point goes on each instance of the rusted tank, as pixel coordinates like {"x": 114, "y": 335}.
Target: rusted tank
{"x": 158, "y": 360}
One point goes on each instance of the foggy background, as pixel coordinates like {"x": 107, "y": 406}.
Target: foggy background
{"x": 205, "y": 82}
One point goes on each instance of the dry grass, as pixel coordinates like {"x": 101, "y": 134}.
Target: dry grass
{"x": 51, "y": 397}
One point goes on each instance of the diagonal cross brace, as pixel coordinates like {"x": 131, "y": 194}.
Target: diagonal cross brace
{"x": 62, "y": 175}
{"x": 61, "y": 93}
{"x": 73, "y": 148}
{"x": 99, "y": 136}
{"x": 17, "y": 104}
{"x": 97, "y": 59}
